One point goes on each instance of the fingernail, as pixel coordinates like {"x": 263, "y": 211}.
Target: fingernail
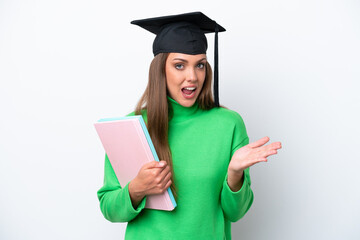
{"x": 161, "y": 164}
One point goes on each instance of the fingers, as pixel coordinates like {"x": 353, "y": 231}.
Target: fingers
{"x": 155, "y": 177}
{"x": 262, "y": 156}
{"x": 162, "y": 163}
{"x": 270, "y": 149}
{"x": 168, "y": 181}
{"x": 255, "y": 161}
{"x": 276, "y": 145}
{"x": 161, "y": 175}
{"x": 163, "y": 172}
{"x": 272, "y": 146}
{"x": 262, "y": 152}
{"x": 253, "y": 153}
{"x": 167, "y": 185}
{"x": 262, "y": 159}
{"x": 155, "y": 164}
{"x": 163, "y": 181}
{"x": 269, "y": 153}
{"x": 159, "y": 170}
{"x": 259, "y": 142}
{"x": 165, "y": 178}
{"x": 258, "y": 145}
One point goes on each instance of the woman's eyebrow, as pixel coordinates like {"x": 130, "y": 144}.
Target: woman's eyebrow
{"x": 184, "y": 60}
{"x": 180, "y": 59}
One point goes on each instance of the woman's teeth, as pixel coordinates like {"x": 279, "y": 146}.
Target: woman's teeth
{"x": 188, "y": 90}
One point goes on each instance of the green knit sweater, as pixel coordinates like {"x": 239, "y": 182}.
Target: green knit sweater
{"x": 202, "y": 143}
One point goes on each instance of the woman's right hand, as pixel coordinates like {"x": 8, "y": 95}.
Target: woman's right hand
{"x": 153, "y": 178}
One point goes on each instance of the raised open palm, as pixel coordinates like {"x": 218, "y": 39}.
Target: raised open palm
{"x": 253, "y": 153}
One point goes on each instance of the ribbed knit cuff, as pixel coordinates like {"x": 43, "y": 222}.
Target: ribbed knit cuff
{"x": 129, "y": 205}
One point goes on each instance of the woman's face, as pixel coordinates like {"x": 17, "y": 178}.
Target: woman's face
{"x": 185, "y": 76}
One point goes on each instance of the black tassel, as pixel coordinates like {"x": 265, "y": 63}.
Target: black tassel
{"x": 216, "y": 68}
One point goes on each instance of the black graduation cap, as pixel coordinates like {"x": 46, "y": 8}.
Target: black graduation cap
{"x": 184, "y": 33}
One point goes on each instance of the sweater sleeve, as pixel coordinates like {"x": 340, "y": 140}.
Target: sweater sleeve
{"x": 236, "y": 204}
{"x": 115, "y": 201}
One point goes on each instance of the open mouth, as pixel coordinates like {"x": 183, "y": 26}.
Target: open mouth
{"x": 188, "y": 91}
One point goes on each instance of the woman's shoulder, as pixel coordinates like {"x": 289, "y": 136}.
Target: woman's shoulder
{"x": 227, "y": 118}
{"x": 226, "y": 114}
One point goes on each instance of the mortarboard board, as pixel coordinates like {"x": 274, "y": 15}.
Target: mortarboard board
{"x": 184, "y": 33}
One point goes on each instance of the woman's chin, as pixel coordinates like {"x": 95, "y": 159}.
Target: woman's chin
{"x": 187, "y": 102}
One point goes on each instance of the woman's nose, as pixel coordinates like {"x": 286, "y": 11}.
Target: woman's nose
{"x": 191, "y": 75}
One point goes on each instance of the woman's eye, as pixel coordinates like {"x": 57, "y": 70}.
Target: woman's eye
{"x": 179, "y": 66}
{"x": 201, "y": 65}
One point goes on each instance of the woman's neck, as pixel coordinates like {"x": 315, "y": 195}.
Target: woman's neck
{"x": 179, "y": 113}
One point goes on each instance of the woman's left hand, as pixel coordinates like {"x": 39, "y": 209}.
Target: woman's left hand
{"x": 246, "y": 157}
{"x": 251, "y": 154}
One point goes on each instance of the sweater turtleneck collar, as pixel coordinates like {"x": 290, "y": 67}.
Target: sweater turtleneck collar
{"x": 180, "y": 113}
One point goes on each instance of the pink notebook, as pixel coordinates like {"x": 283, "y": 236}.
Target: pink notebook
{"x": 128, "y": 145}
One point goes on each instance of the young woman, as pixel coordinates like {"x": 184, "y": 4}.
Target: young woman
{"x": 205, "y": 148}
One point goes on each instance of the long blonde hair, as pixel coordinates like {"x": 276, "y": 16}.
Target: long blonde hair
{"x": 154, "y": 100}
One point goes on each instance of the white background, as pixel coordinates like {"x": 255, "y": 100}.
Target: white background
{"x": 290, "y": 68}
